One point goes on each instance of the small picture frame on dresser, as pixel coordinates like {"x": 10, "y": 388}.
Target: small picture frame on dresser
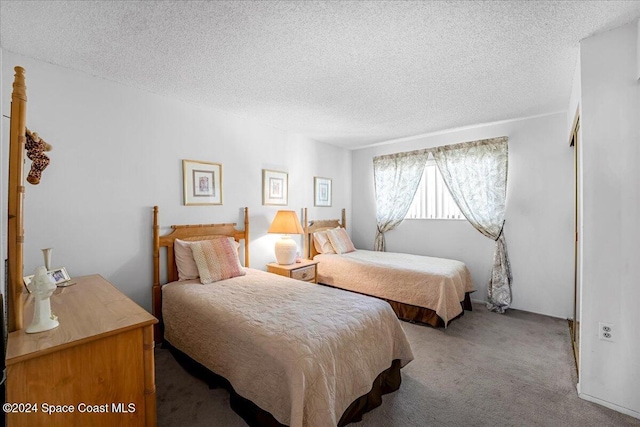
{"x": 27, "y": 280}
{"x": 59, "y": 275}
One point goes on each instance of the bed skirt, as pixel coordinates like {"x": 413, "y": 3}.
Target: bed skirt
{"x": 412, "y": 313}
{"x": 415, "y": 314}
{"x": 387, "y": 382}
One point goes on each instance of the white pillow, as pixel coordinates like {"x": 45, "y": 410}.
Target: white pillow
{"x": 187, "y": 268}
{"x": 340, "y": 240}
{"x": 322, "y": 243}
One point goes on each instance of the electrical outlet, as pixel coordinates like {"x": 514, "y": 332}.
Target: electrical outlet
{"x": 605, "y": 331}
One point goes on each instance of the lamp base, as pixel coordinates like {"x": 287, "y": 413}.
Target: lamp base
{"x": 286, "y": 251}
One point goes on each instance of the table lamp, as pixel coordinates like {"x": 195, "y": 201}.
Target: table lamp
{"x": 286, "y": 222}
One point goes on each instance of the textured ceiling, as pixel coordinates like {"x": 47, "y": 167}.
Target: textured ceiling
{"x": 346, "y": 73}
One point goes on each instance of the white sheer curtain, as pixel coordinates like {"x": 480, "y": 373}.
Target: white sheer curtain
{"x": 476, "y": 175}
{"x": 396, "y": 177}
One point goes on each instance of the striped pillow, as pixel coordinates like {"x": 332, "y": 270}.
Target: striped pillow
{"x": 216, "y": 259}
{"x": 187, "y": 268}
{"x": 340, "y": 240}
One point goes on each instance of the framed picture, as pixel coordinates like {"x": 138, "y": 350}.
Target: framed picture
{"x": 59, "y": 275}
{"x": 202, "y": 183}
{"x": 321, "y": 191}
{"x": 275, "y": 187}
{"x": 27, "y": 280}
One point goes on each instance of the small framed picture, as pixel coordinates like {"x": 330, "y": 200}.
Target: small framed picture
{"x": 202, "y": 183}
{"x": 27, "y": 280}
{"x": 59, "y": 275}
{"x": 321, "y": 191}
{"x": 275, "y": 187}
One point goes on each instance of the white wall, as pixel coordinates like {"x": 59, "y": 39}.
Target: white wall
{"x": 574, "y": 99}
{"x": 539, "y": 216}
{"x": 610, "y": 371}
{"x": 118, "y": 151}
{"x": 638, "y": 49}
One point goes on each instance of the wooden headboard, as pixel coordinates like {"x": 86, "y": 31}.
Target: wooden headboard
{"x": 186, "y": 232}
{"x": 311, "y": 226}
{"x": 15, "y": 223}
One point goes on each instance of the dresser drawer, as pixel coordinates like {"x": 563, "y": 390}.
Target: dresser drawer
{"x": 306, "y": 273}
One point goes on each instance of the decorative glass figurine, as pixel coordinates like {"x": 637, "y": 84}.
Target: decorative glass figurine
{"x": 41, "y": 287}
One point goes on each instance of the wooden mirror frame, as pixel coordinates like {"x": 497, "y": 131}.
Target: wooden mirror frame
{"x": 15, "y": 222}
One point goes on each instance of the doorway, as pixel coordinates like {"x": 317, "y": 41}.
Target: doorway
{"x": 574, "y": 323}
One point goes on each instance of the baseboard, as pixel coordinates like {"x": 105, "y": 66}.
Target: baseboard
{"x": 621, "y": 409}
{"x": 479, "y": 301}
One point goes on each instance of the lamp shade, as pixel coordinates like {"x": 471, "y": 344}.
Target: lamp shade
{"x": 286, "y": 222}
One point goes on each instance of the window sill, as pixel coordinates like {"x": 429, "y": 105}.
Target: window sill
{"x": 435, "y": 219}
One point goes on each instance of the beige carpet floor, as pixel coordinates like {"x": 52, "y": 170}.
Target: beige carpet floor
{"x": 485, "y": 369}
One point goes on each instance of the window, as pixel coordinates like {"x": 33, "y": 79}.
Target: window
{"x": 432, "y": 199}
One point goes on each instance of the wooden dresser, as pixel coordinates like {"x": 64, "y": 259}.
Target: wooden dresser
{"x": 98, "y": 363}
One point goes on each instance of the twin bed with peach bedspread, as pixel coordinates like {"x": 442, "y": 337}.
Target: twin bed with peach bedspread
{"x": 300, "y": 354}
{"x": 419, "y": 288}
{"x": 303, "y": 352}
{"x": 439, "y": 284}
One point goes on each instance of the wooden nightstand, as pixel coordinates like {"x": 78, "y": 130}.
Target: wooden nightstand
{"x": 305, "y": 270}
